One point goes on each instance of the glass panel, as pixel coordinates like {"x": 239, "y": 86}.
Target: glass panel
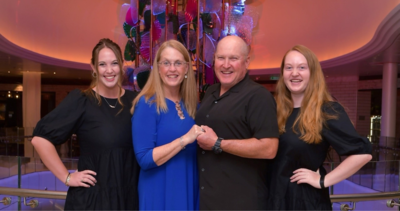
{"x": 37, "y": 176}
{"x": 9, "y": 179}
{"x": 375, "y": 176}
{"x": 34, "y": 175}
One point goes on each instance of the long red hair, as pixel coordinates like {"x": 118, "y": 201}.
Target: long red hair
{"x": 311, "y": 119}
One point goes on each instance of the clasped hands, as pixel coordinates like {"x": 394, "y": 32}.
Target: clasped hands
{"x": 207, "y": 139}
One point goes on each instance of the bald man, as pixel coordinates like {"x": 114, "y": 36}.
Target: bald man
{"x": 241, "y": 133}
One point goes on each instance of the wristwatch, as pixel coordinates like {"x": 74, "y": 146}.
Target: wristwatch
{"x": 217, "y": 146}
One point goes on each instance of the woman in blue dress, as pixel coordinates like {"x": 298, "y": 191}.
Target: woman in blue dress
{"x": 164, "y": 132}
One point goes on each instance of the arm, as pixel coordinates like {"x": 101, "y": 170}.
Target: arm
{"x": 144, "y": 130}
{"x": 264, "y": 148}
{"x": 162, "y": 154}
{"x": 348, "y": 167}
{"x": 50, "y": 158}
{"x": 342, "y": 135}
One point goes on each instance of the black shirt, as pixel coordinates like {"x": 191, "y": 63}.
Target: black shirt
{"x": 229, "y": 182}
{"x": 294, "y": 153}
{"x": 105, "y": 141}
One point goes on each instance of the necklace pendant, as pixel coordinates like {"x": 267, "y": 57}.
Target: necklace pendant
{"x": 112, "y": 106}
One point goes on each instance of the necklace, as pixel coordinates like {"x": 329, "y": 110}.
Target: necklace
{"x": 179, "y": 110}
{"x": 111, "y": 106}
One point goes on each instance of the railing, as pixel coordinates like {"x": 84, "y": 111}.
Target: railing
{"x": 29, "y": 179}
{"x": 389, "y": 196}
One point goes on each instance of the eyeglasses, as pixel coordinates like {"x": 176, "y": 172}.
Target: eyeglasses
{"x": 178, "y": 108}
{"x": 167, "y": 64}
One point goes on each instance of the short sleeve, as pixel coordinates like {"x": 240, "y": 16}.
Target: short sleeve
{"x": 342, "y": 135}
{"x": 144, "y": 127}
{"x": 58, "y": 125}
{"x": 261, "y": 114}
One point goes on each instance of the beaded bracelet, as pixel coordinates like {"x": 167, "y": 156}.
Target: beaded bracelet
{"x": 321, "y": 181}
{"x": 181, "y": 142}
{"x": 68, "y": 178}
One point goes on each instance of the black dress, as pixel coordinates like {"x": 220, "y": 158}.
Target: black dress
{"x": 105, "y": 141}
{"x": 294, "y": 153}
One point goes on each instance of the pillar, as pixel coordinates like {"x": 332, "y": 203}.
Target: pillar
{"x": 31, "y": 97}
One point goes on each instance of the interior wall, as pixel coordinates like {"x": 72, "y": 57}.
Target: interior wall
{"x": 364, "y": 112}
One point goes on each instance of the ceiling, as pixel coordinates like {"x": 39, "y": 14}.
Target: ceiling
{"x": 349, "y": 37}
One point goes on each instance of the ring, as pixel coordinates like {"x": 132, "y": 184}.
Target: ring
{"x": 202, "y": 130}
{"x": 81, "y": 180}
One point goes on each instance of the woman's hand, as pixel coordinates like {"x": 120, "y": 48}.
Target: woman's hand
{"x": 82, "y": 179}
{"x": 192, "y": 134}
{"x": 310, "y": 177}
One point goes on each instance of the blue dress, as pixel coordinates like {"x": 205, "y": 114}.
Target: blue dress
{"x": 174, "y": 184}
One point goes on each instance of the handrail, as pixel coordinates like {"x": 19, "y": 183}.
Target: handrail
{"x": 33, "y": 193}
{"x": 364, "y": 196}
{"x": 63, "y": 194}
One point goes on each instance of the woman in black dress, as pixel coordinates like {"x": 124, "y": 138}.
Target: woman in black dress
{"x": 107, "y": 172}
{"x": 309, "y": 122}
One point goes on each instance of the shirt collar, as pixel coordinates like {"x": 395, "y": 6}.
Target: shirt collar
{"x": 236, "y": 88}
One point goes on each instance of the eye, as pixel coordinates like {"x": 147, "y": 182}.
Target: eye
{"x": 220, "y": 58}
{"x": 288, "y": 67}
{"x": 115, "y": 63}
{"x": 165, "y": 63}
{"x": 233, "y": 58}
{"x": 178, "y": 63}
{"x": 102, "y": 64}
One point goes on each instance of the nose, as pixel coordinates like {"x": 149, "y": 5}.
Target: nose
{"x": 172, "y": 67}
{"x": 109, "y": 69}
{"x": 226, "y": 63}
{"x": 295, "y": 72}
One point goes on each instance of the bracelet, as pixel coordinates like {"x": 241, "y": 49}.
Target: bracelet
{"x": 68, "y": 178}
{"x": 321, "y": 181}
{"x": 181, "y": 142}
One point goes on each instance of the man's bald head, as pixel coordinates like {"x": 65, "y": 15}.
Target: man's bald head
{"x": 235, "y": 40}
{"x": 231, "y": 60}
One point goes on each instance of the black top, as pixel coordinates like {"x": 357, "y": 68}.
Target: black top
{"x": 105, "y": 141}
{"x": 229, "y": 182}
{"x": 294, "y": 153}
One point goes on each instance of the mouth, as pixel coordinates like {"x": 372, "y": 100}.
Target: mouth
{"x": 172, "y": 76}
{"x": 110, "y": 77}
{"x": 296, "y": 80}
{"x": 226, "y": 72}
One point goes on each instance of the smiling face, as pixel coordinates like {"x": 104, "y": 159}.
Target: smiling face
{"x": 231, "y": 61}
{"x": 296, "y": 73}
{"x": 172, "y": 75}
{"x": 108, "y": 69}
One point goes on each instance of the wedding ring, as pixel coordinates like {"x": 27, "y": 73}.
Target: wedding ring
{"x": 202, "y": 130}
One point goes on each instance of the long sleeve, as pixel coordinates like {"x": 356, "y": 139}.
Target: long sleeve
{"x": 144, "y": 133}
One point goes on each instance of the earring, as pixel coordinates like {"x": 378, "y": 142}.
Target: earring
{"x": 94, "y": 74}
{"x": 185, "y": 75}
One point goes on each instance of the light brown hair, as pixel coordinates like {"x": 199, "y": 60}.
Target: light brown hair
{"x": 154, "y": 84}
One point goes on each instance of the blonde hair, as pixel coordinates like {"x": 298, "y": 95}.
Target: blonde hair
{"x": 311, "y": 118}
{"x": 106, "y": 43}
{"x": 154, "y": 84}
